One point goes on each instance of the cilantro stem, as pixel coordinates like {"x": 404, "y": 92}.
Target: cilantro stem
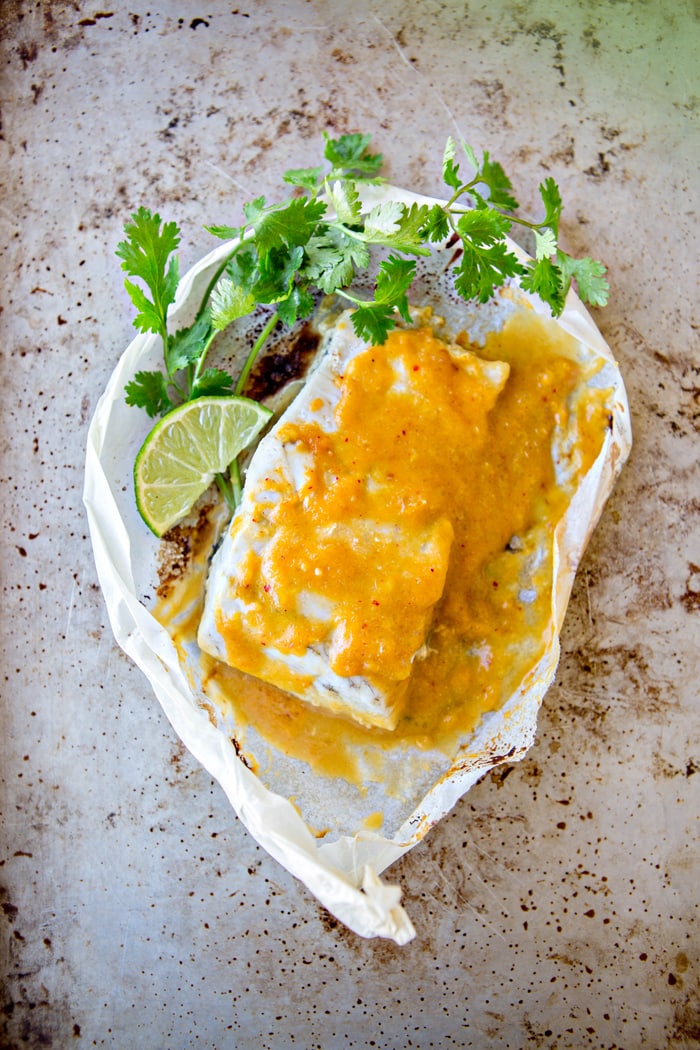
{"x": 236, "y": 483}
{"x": 203, "y": 354}
{"x": 183, "y": 393}
{"x": 466, "y": 188}
{"x": 228, "y": 489}
{"x": 215, "y": 279}
{"x": 232, "y": 488}
{"x": 469, "y": 186}
{"x": 343, "y": 294}
{"x": 254, "y": 351}
{"x": 357, "y": 235}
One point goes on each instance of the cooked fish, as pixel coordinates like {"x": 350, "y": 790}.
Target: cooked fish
{"x": 326, "y": 582}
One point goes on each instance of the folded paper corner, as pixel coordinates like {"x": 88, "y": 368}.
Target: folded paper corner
{"x": 391, "y": 920}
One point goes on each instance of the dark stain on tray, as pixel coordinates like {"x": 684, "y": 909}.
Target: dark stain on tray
{"x": 28, "y": 53}
{"x": 285, "y": 362}
{"x": 691, "y": 598}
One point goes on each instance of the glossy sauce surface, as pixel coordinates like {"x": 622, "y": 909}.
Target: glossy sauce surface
{"x": 473, "y": 468}
{"x": 353, "y": 557}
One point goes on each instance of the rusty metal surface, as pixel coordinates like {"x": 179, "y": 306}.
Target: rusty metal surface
{"x": 557, "y": 905}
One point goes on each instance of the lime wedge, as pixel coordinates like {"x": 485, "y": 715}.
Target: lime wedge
{"x": 186, "y": 449}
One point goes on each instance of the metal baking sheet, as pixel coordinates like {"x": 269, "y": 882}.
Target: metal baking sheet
{"x": 559, "y": 898}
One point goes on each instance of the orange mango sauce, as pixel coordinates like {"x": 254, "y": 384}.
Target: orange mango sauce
{"x": 368, "y": 534}
{"x": 485, "y": 472}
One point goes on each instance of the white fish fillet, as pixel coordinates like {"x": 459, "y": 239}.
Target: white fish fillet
{"x": 372, "y": 698}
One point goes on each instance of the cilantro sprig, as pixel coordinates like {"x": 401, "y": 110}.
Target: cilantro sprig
{"x": 318, "y": 240}
{"x": 486, "y": 262}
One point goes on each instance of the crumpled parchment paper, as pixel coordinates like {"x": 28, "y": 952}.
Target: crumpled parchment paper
{"x": 342, "y": 874}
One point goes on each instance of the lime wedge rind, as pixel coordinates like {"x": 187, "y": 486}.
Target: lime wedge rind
{"x": 186, "y": 449}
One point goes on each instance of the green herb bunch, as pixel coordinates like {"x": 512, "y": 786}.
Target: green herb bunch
{"x": 318, "y": 240}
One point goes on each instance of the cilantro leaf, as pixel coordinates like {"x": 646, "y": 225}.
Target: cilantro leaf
{"x": 149, "y": 318}
{"x": 544, "y": 278}
{"x": 437, "y": 224}
{"x": 551, "y": 198}
{"x": 299, "y": 303}
{"x": 483, "y": 267}
{"x": 188, "y": 344}
{"x": 307, "y": 178}
{"x": 345, "y": 201}
{"x": 374, "y": 320}
{"x": 450, "y": 170}
{"x": 545, "y": 243}
{"x": 277, "y": 269}
{"x": 146, "y": 254}
{"x": 500, "y": 186}
{"x": 589, "y": 275}
{"x": 212, "y": 383}
{"x": 471, "y": 156}
{"x": 393, "y": 281}
{"x": 149, "y": 390}
{"x": 487, "y": 172}
{"x": 396, "y": 226}
{"x": 224, "y": 233}
{"x": 288, "y": 226}
{"x": 382, "y": 221}
{"x": 412, "y": 224}
{"x": 254, "y": 210}
{"x": 328, "y": 265}
{"x": 483, "y": 226}
{"x": 349, "y": 153}
{"x": 242, "y": 268}
{"x": 331, "y": 259}
{"x": 229, "y": 301}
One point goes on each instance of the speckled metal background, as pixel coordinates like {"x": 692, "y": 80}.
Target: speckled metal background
{"x": 557, "y": 905}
